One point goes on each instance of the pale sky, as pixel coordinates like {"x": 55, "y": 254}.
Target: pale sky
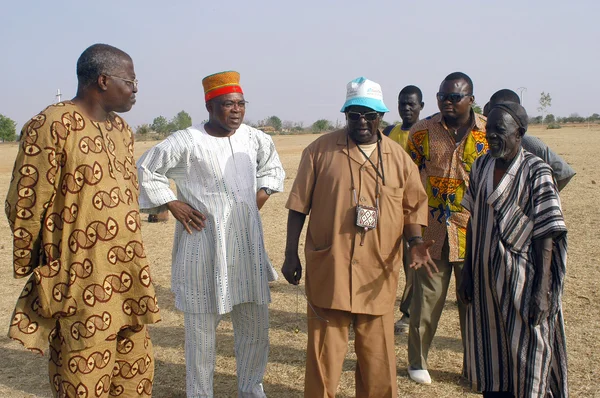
{"x": 295, "y": 58}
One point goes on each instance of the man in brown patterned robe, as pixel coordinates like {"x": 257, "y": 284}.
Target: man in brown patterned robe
{"x": 73, "y": 208}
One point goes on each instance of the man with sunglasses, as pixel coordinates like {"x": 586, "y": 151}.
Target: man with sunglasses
{"x": 224, "y": 171}
{"x": 443, "y": 146}
{"x": 73, "y": 208}
{"x": 363, "y": 194}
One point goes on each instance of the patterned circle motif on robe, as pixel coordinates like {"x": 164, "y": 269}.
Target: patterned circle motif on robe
{"x": 88, "y": 328}
{"x": 103, "y": 293}
{"x": 87, "y": 145}
{"x": 97, "y": 230}
{"x": 109, "y": 199}
{"x": 84, "y": 174}
{"x": 96, "y": 360}
{"x": 126, "y": 254}
{"x": 141, "y": 306}
{"x": 56, "y": 221}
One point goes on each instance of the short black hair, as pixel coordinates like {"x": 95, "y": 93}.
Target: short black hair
{"x": 408, "y": 90}
{"x": 96, "y": 60}
{"x": 461, "y": 76}
{"x": 504, "y": 95}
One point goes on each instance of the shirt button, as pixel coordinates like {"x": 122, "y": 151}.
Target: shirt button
{"x": 363, "y": 168}
{"x": 362, "y": 199}
{"x": 354, "y": 262}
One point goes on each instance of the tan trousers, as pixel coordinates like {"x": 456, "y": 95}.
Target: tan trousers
{"x": 429, "y": 297}
{"x": 122, "y": 367}
{"x": 327, "y": 346}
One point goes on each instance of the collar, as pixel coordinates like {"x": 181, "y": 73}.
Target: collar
{"x": 386, "y": 142}
{"x": 353, "y": 151}
{"x": 477, "y": 121}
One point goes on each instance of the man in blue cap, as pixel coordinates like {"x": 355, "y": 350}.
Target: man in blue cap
{"x": 363, "y": 193}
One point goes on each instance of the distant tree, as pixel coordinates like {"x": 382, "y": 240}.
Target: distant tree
{"x": 171, "y": 127}
{"x": 549, "y": 118}
{"x": 383, "y": 124}
{"x": 160, "y": 124}
{"x": 574, "y": 118}
{"x": 8, "y": 129}
{"x": 321, "y": 125}
{"x": 143, "y": 129}
{"x": 274, "y": 122}
{"x": 287, "y": 125}
{"x": 181, "y": 121}
{"x": 477, "y": 108}
{"x": 593, "y": 118}
{"x": 535, "y": 120}
{"x": 545, "y": 103}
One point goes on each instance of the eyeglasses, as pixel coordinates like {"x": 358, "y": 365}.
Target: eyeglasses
{"x": 232, "y": 104}
{"x": 133, "y": 83}
{"x": 355, "y": 116}
{"x": 453, "y": 97}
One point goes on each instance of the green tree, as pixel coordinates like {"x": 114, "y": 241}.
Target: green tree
{"x": 594, "y": 117}
{"x": 549, "y": 118}
{"x": 477, "y": 108}
{"x": 143, "y": 129}
{"x": 8, "y": 129}
{"x": 321, "y": 125}
{"x": 181, "y": 121}
{"x": 274, "y": 122}
{"x": 545, "y": 103}
{"x": 160, "y": 124}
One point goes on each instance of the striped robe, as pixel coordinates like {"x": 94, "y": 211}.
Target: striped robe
{"x": 503, "y": 351}
{"x": 226, "y": 263}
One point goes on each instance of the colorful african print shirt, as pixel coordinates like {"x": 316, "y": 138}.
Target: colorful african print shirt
{"x": 226, "y": 263}
{"x": 73, "y": 208}
{"x": 444, "y": 166}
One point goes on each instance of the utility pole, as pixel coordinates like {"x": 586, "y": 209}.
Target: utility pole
{"x": 520, "y": 90}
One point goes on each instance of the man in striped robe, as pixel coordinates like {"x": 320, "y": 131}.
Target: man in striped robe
{"x": 224, "y": 171}
{"x": 514, "y": 268}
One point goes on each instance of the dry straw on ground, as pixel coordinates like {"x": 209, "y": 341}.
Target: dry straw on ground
{"x": 23, "y": 374}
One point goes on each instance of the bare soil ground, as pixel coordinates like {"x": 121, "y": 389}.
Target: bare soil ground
{"x": 23, "y": 374}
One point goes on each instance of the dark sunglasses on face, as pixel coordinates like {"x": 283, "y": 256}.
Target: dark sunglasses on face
{"x": 453, "y": 97}
{"x": 355, "y": 116}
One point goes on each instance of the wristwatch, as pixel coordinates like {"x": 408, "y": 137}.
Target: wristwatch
{"x": 268, "y": 191}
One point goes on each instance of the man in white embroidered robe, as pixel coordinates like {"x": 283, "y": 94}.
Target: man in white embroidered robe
{"x": 224, "y": 172}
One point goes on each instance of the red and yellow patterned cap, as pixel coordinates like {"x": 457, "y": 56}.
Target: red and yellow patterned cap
{"x": 220, "y": 84}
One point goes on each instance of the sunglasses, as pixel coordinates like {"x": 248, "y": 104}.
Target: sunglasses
{"x": 355, "y": 116}
{"x": 452, "y": 97}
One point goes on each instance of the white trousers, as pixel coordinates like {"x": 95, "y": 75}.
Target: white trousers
{"x": 251, "y": 345}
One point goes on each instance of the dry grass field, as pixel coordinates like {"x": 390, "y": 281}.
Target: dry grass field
{"x": 23, "y": 374}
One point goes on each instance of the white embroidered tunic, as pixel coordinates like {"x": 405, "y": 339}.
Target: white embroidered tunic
{"x": 226, "y": 263}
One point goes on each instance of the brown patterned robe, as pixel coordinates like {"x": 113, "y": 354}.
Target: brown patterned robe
{"x": 73, "y": 209}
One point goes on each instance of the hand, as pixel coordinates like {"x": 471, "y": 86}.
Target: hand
{"x": 539, "y": 308}
{"x": 187, "y": 215}
{"x": 261, "y": 198}
{"x": 465, "y": 290}
{"x": 292, "y": 269}
{"x": 419, "y": 257}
